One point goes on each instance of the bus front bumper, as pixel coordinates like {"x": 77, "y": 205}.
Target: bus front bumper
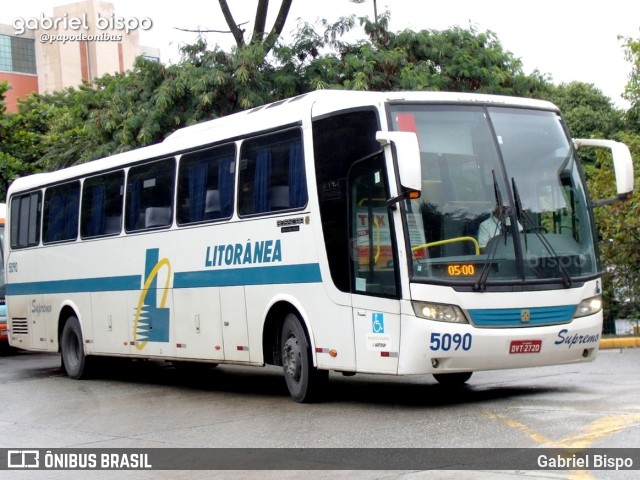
{"x": 428, "y": 347}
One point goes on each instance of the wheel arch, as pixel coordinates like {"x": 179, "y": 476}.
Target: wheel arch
{"x": 67, "y": 311}
{"x": 272, "y": 329}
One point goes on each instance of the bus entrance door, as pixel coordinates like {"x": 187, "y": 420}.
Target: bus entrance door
{"x": 376, "y": 308}
{"x": 377, "y": 334}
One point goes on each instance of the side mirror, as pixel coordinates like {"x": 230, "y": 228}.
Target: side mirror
{"x": 407, "y": 152}
{"x": 622, "y": 164}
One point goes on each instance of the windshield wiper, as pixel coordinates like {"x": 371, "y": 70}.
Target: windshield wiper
{"x": 502, "y": 213}
{"x": 527, "y": 224}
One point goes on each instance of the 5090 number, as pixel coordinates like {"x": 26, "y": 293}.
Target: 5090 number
{"x": 448, "y": 341}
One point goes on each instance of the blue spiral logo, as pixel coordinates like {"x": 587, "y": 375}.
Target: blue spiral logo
{"x": 151, "y": 322}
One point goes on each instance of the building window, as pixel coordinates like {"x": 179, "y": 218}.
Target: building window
{"x": 17, "y": 54}
{"x": 5, "y": 53}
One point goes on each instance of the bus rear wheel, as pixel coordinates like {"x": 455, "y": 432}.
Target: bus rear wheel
{"x": 452, "y": 379}
{"x": 74, "y": 360}
{"x": 304, "y": 381}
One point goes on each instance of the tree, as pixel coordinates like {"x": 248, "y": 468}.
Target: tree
{"x": 619, "y": 234}
{"x": 140, "y": 107}
{"x": 113, "y": 114}
{"x": 619, "y": 224}
{"x": 259, "y": 35}
{"x": 588, "y": 112}
{"x": 19, "y": 145}
{"x": 632, "y": 89}
{"x": 455, "y": 59}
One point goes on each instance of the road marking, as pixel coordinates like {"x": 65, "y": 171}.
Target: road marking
{"x": 592, "y": 432}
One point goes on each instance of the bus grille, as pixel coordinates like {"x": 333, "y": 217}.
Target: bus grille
{"x": 521, "y": 317}
{"x": 19, "y": 326}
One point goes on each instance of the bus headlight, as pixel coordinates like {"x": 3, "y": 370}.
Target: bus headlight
{"x": 439, "y": 312}
{"x": 589, "y": 306}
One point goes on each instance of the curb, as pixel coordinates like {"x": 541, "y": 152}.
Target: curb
{"x": 624, "y": 342}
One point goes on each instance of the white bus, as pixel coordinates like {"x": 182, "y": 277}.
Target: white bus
{"x": 3, "y": 308}
{"x": 337, "y": 230}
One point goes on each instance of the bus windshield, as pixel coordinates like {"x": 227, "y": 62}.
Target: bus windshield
{"x": 502, "y": 198}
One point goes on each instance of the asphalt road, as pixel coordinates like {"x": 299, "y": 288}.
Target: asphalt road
{"x": 153, "y": 405}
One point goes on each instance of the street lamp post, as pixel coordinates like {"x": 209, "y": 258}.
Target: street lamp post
{"x": 375, "y": 8}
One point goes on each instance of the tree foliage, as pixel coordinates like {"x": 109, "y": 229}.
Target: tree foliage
{"x": 457, "y": 59}
{"x": 619, "y": 234}
{"x": 19, "y": 143}
{"x": 590, "y": 114}
{"x": 632, "y": 90}
{"x": 119, "y": 112}
{"x": 587, "y": 111}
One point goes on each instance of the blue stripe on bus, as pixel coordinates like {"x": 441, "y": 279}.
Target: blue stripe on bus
{"x": 304, "y": 273}
{"x": 509, "y": 317}
{"x": 80, "y": 285}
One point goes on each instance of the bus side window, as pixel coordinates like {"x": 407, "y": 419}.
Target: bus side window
{"x": 61, "y": 211}
{"x": 101, "y": 212}
{"x": 205, "y": 185}
{"x": 150, "y": 195}
{"x": 272, "y": 174}
{"x": 25, "y": 220}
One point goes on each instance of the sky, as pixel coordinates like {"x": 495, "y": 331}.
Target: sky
{"x": 570, "y": 40}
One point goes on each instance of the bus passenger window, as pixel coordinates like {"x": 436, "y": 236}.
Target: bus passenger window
{"x": 101, "y": 212}
{"x": 272, "y": 174}
{"x": 205, "y": 185}
{"x": 150, "y": 195}
{"x": 25, "y": 224}
{"x": 61, "y": 205}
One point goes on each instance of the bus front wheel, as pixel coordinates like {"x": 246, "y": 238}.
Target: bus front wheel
{"x": 74, "y": 360}
{"x": 304, "y": 381}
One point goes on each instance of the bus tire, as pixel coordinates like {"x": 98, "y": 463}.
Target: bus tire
{"x": 74, "y": 361}
{"x": 452, "y": 379}
{"x": 304, "y": 381}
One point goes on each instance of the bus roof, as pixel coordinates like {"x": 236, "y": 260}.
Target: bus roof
{"x": 274, "y": 115}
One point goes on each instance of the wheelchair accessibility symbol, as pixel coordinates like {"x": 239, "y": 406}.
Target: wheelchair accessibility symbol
{"x": 377, "y": 323}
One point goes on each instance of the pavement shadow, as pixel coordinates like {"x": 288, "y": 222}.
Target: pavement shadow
{"x": 421, "y": 391}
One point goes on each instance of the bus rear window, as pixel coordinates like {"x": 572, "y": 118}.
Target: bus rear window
{"x": 25, "y": 224}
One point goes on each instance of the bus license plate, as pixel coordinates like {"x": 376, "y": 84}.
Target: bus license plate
{"x": 525, "y": 346}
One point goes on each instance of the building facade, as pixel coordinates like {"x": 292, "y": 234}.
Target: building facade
{"x": 17, "y": 65}
{"x": 79, "y": 42}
